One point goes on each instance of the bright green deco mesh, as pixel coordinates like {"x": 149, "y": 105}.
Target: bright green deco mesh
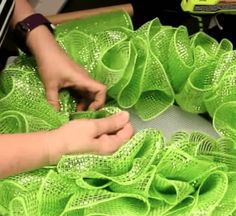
{"x": 146, "y": 70}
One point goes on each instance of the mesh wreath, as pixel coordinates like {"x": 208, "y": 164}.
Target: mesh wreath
{"x": 145, "y": 70}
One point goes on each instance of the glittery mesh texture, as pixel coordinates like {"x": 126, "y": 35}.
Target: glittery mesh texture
{"x": 145, "y": 70}
{"x": 17, "y": 109}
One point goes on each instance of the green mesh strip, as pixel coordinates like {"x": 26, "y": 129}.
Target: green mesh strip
{"x": 145, "y": 70}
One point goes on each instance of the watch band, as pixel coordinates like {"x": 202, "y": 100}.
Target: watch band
{"x": 23, "y": 27}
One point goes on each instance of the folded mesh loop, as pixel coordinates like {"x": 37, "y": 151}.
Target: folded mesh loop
{"x": 119, "y": 204}
{"x": 149, "y": 29}
{"x": 224, "y": 47}
{"x": 224, "y": 119}
{"x": 223, "y": 93}
{"x": 227, "y": 205}
{"x": 13, "y": 122}
{"x": 198, "y": 87}
{"x": 159, "y": 45}
{"x": 170, "y": 191}
{"x": 130, "y": 94}
{"x": 26, "y": 95}
{"x": 157, "y": 94}
{"x": 180, "y": 63}
{"x": 212, "y": 189}
{"x": 205, "y": 41}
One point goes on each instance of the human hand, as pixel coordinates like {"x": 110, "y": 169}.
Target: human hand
{"x": 100, "y": 136}
{"x": 57, "y": 71}
{"x": 62, "y": 72}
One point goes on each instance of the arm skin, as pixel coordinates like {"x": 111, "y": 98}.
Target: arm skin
{"x": 25, "y": 152}
{"x": 29, "y": 151}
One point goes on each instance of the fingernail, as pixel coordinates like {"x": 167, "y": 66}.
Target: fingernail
{"x": 124, "y": 113}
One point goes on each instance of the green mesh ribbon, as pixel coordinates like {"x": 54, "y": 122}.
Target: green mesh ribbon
{"x": 145, "y": 70}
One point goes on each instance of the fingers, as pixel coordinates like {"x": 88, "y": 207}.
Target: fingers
{"x": 83, "y": 103}
{"x": 126, "y": 132}
{"x": 98, "y": 98}
{"x": 53, "y": 98}
{"x": 93, "y": 91}
{"x": 111, "y": 124}
{"x": 81, "y": 106}
{"x": 107, "y": 144}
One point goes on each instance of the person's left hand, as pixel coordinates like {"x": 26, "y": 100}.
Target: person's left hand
{"x": 58, "y": 71}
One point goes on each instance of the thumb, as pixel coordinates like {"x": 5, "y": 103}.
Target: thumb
{"x": 53, "y": 97}
{"x": 111, "y": 124}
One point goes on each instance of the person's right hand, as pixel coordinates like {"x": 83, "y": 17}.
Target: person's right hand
{"x": 100, "y": 136}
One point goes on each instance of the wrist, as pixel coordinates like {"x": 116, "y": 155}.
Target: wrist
{"x": 55, "y": 147}
{"x": 25, "y": 28}
{"x": 40, "y": 40}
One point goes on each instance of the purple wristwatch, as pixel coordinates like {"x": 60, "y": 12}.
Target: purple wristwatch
{"x": 28, "y": 24}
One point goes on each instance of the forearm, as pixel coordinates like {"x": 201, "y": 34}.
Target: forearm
{"x": 40, "y": 38}
{"x": 24, "y": 152}
{"x": 21, "y": 11}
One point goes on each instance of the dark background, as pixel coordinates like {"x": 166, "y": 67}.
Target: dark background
{"x": 169, "y": 12}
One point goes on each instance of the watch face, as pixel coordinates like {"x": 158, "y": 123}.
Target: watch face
{"x": 23, "y": 26}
